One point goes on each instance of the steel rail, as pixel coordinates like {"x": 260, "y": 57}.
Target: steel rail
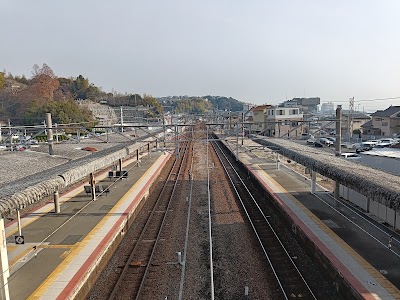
{"x": 267, "y": 222}
{"x": 133, "y": 252}
{"x": 183, "y": 157}
{"x": 183, "y": 267}
{"x": 209, "y": 225}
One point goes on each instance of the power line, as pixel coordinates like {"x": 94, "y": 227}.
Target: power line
{"x": 368, "y": 100}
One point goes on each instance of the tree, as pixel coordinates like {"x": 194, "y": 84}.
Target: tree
{"x": 43, "y": 87}
{"x": 157, "y": 108}
{"x": 45, "y": 70}
{"x": 80, "y": 87}
{"x": 63, "y": 112}
{"x": 2, "y": 80}
{"x": 44, "y": 83}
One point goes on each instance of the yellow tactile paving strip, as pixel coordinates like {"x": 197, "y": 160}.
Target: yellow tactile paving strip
{"x": 361, "y": 261}
{"x": 75, "y": 251}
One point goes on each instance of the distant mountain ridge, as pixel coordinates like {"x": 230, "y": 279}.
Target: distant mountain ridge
{"x": 218, "y": 102}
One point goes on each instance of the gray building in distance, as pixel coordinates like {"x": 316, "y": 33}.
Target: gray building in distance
{"x": 308, "y": 105}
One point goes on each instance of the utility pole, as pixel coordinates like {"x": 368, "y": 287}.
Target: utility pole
{"x": 237, "y": 140}
{"x": 338, "y": 130}
{"x": 338, "y": 148}
{"x": 163, "y": 119}
{"x": 242, "y": 127}
{"x": 122, "y": 120}
{"x": 50, "y": 133}
{"x": 176, "y": 141}
{"x": 350, "y": 117}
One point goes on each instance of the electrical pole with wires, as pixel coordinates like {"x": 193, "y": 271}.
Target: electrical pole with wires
{"x": 350, "y": 118}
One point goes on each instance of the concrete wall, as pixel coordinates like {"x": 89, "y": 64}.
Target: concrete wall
{"x": 383, "y": 212}
{"x": 354, "y": 197}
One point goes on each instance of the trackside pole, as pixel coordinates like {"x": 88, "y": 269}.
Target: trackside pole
{"x": 313, "y": 181}
{"x": 5, "y": 273}
{"x": 19, "y": 223}
{"x": 56, "y": 202}
{"x": 92, "y": 186}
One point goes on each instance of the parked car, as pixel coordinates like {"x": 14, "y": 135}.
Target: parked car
{"x": 383, "y": 145}
{"x": 351, "y": 156}
{"x": 325, "y": 142}
{"x": 306, "y": 136}
{"x": 331, "y": 138}
{"x": 371, "y": 143}
{"x": 311, "y": 141}
{"x": 318, "y": 144}
{"x": 347, "y": 145}
{"x": 361, "y": 148}
{"x": 387, "y": 141}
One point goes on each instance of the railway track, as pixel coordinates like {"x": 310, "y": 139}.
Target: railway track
{"x": 289, "y": 278}
{"x": 133, "y": 275}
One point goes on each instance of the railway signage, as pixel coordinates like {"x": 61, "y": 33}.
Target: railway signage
{"x": 19, "y": 239}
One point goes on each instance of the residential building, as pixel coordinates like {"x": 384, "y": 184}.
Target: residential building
{"x": 284, "y": 122}
{"x": 384, "y": 123}
{"x": 307, "y": 105}
{"x": 259, "y": 117}
{"x": 353, "y": 120}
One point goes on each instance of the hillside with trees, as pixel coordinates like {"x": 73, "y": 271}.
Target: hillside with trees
{"x": 25, "y": 101}
{"x": 200, "y": 105}
{"x": 225, "y": 103}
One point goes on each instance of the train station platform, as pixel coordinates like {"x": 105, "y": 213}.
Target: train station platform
{"x": 62, "y": 250}
{"x": 326, "y": 226}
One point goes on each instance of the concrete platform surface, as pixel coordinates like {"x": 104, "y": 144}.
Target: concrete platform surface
{"x": 363, "y": 259}
{"x": 61, "y": 249}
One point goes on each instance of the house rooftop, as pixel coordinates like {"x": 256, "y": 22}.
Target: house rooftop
{"x": 261, "y": 107}
{"x": 387, "y": 112}
{"x": 356, "y": 115}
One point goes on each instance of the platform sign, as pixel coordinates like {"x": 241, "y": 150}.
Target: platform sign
{"x": 19, "y": 239}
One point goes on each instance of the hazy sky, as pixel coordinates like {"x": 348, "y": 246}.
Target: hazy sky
{"x": 260, "y": 51}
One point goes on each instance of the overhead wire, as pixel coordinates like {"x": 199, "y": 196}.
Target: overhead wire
{"x": 368, "y": 100}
